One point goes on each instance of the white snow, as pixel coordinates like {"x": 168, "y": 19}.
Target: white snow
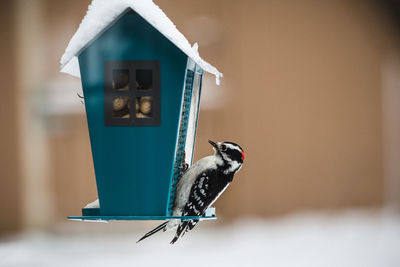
{"x": 210, "y": 211}
{"x": 347, "y": 239}
{"x": 103, "y": 12}
{"x": 93, "y": 205}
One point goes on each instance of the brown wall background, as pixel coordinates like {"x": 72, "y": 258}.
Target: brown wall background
{"x": 302, "y": 94}
{"x": 10, "y": 204}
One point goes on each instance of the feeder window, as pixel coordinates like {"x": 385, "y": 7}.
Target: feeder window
{"x": 132, "y": 93}
{"x": 144, "y": 106}
{"x": 121, "y": 107}
{"x": 120, "y": 80}
{"x": 144, "y": 79}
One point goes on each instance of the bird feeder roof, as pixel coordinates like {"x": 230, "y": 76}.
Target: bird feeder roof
{"x": 102, "y": 13}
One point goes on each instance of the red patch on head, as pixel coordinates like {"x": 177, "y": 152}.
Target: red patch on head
{"x": 242, "y": 155}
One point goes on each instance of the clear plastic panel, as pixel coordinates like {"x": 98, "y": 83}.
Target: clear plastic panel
{"x": 192, "y": 123}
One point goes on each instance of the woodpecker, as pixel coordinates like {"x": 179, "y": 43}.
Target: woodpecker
{"x": 201, "y": 185}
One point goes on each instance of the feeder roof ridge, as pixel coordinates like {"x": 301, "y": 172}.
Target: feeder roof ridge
{"x": 102, "y": 13}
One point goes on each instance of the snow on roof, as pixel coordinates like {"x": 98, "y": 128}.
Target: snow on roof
{"x": 102, "y": 13}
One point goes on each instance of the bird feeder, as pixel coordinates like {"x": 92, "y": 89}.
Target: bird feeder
{"x": 141, "y": 83}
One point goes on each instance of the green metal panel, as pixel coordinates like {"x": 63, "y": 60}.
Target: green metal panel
{"x": 133, "y": 164}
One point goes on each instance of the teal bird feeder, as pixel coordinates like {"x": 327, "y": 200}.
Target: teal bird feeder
{"x": 141, "y": 83}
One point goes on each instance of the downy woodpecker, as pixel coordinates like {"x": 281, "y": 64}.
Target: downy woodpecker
{"x": 201, "y": 185}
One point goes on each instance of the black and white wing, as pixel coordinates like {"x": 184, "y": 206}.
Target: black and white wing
{"x": 206, "y": 189}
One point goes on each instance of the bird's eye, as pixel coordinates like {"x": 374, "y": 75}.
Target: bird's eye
{"x": 223, "y": 147}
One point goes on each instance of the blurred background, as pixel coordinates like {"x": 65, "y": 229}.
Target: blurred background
{"x": 311, "y": 91}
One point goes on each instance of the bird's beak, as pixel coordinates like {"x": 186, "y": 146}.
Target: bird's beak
{"x": 213, "y": 144}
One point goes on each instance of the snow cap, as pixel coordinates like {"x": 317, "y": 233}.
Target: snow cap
{"x": 101, "y": 13}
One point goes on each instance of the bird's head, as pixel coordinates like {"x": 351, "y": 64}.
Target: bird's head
{"x": 230, "y": 153}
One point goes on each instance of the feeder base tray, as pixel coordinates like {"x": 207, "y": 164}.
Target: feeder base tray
{"x": 131, "y": 218}
{"x": 93, "y": 214}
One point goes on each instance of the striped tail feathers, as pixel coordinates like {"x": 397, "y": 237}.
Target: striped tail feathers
{"x": 184, "y": 227}
{"x": 152, "y": 232}
{"x": 190, "y": 226}
{"x": 181, "y": 231}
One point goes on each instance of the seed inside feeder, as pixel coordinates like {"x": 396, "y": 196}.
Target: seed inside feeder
{"x": 144, "y": 107}
{"x": 120, "y": 80}
{"x": 145, "y": 104}
{"x": 121, "y": 107}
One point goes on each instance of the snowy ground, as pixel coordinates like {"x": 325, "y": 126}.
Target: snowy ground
{"x": 356, "y": 238}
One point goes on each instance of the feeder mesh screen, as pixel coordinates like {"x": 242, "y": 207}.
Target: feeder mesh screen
{"x": 180, "y": 151}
